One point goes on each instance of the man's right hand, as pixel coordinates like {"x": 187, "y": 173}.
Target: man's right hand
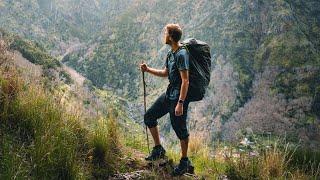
{"x": 144, "y": 67}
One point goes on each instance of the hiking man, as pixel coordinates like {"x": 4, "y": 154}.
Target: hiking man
{"x": 174, "y": 101}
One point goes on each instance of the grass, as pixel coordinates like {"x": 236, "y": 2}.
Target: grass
{"x": 277, "y": 161}
{"x": 105, "y": 148}
{"x": 31, "y": 118}
{"x": 136, "y": 141}
{"x": 12, "y": 165}
{"x": 40, "y": 139}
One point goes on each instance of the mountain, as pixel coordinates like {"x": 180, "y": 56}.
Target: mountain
{"x": 265, "y": 75}
{"x": 58, "y": 24}
{"x": 59, "y": 129}
{"x": 71, "y": 92}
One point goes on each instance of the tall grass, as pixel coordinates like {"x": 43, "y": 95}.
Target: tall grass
{"x": 278, "y": 161}
{"x": 275, "y": 162}
{"x": 36, "y": 127}
{"x": 40, "y": 139}
{"x": 47, "y": 142}
{"x": 12, "y": 165}
{"x": 105, "y": 148}
{"x": 306, "y": 160}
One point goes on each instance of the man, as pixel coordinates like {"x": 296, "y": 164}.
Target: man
{"x": 174, "y": 101}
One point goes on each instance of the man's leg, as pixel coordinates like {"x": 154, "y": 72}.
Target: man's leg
{"x": 184, "y": 147}
{"x": 156, "y": 111}
{"x": 179, "y": 124}
{"x": 155, "y": 135}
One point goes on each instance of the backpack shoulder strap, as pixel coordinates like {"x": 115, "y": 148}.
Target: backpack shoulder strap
{"x": 184, "y": 46}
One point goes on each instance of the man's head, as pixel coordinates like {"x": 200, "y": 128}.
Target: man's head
{"x": 172, "y": 33}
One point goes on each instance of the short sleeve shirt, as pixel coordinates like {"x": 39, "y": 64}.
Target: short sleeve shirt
{"x": 176, "y": 62}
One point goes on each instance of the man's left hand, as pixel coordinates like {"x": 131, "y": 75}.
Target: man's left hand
{"x": 179, "y": 109}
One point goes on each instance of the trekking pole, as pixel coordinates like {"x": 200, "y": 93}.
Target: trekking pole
{"x": 145, "y": 107}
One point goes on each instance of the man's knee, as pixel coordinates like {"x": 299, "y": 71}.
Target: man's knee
{"x": 150, "y": 121}
{"x": 183, "y": 135}
{"x": 181, "y": 131}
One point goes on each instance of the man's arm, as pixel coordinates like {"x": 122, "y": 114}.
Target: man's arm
{"x": 184, "y": 85}
{"x": 183, "y": 66}
{"x": 156, "y": 72}
{"x": 184, "y": 74}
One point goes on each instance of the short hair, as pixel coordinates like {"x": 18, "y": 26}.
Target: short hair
{"x": 174, "y": 31}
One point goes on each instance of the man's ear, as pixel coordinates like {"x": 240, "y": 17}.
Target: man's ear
{"x": 170, "y": 39}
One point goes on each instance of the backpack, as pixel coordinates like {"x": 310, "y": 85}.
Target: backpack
{"x": 200, "y": 68}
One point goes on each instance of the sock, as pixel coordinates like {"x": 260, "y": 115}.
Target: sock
{"x": 158, "y": 146}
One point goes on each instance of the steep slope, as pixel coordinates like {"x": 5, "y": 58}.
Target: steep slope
{"x": 262, "y": 44}
{"x": 266, "y": 62}
{"x": 73, "y": 90}
{"x": 40, "y": 137}
{"x": 53, "y": 128}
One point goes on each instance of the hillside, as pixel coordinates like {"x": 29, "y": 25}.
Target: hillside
{"x": 58, "y": 24}
{"x": 71, "y": 104}
{"x": 53, "y": 124}
{"x": 265, "y": 77}
{"x": 53, "y": 130}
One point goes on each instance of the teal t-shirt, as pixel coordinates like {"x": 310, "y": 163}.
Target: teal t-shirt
{"x": 176, "y": 62}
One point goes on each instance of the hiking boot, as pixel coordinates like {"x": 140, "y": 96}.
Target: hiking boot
{"x": 157, "y": 152}
{"x": 183, "y": 167}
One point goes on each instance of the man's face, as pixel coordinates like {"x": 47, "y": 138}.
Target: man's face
{"x": 166, "y": 37}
